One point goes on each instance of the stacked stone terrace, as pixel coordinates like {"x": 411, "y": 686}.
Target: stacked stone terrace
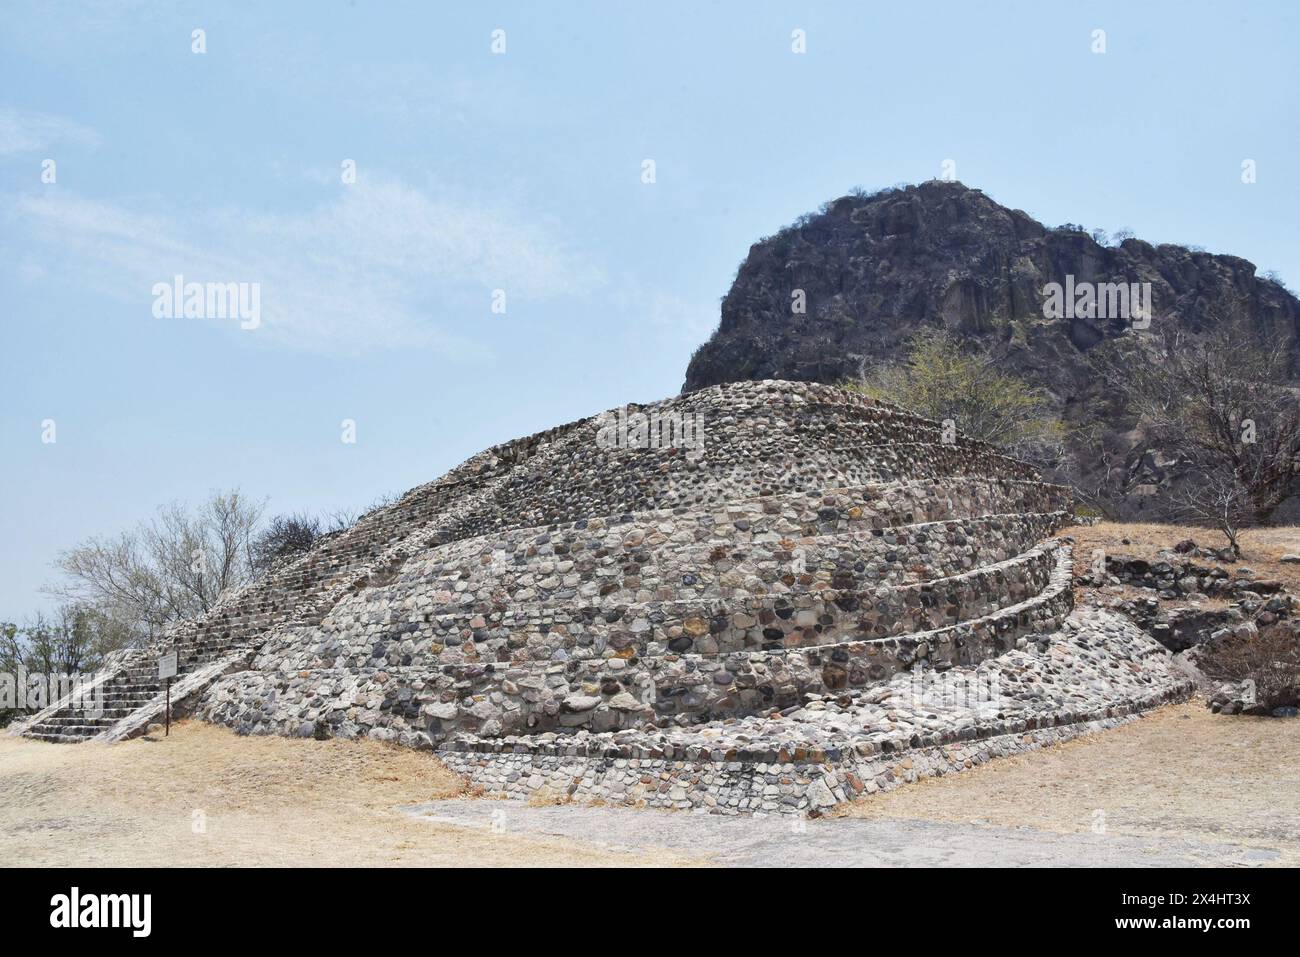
{"x": 819, "y": 541}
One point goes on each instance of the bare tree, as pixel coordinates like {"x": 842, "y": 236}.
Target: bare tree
{"x": 1216, "y": 500}
{"x": 1099, "y": 478}
{"x": 173, "y": 567}
{"x": 284, "y": 536}
{"x": 343, "y": 518}
{"x": 1224, "y": 403}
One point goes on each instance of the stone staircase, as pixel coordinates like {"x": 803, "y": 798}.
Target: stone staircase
{"x": 128, "y": 692}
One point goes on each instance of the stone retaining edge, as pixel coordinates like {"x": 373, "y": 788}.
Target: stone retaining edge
{"x": 735, "y": 787}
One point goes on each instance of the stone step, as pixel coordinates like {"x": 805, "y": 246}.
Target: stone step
{"x": 603, "y": 694}
{"x": 630, "y": 488}
{"x": 113, "y": 713}
{"x": 69, "y": 731}
{"x": 619, "y": 567}
{"x": 132, "y": 702}
{"x": 558, "y": 630}
{"x": 78, "y": 720}
{"x": 837, "y": 511}
{"x": 54, "y": 738}
{"x": 115, "y": 701}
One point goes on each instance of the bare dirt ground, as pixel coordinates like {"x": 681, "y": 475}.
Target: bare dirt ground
{"x": 1179, "y": 773}
{"x": 260, "y": 801}
{"x": 1178, "y": 787}
{"x": 1261, "y": 548}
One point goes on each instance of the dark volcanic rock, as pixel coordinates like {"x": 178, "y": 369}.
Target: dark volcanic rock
{"x": 877, "y": 269}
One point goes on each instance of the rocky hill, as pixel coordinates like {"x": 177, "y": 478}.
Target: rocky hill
{"x": 874, "y": 270}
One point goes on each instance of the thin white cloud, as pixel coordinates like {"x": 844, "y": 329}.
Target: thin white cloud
{"x": 693, "y": 322}
{"x": 382, "y": 264}
{"x": 663, "y": 314}
{"x": 25, "y": 131}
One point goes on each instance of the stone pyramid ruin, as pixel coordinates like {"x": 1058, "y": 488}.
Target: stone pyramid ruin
{"x": 756, "y": 596}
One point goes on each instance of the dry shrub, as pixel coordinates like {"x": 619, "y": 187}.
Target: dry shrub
{"x": 1269, "y": 659}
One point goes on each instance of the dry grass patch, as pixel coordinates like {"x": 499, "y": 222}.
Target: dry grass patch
{"x": 266, "y": 801}
{"x": 1178, "y": 772}
{"x": 1261, "y": 548}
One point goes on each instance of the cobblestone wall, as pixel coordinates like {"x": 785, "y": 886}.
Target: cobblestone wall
{"x": 815, "y": 541}
{"x": 808, "y": 541}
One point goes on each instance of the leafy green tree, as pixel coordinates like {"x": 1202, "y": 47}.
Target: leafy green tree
{"x": 75, "y": 639}
{"x": 940, "y": 380}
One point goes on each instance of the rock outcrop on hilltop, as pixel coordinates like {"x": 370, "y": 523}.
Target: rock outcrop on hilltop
{"x": 726, "y": 616}
{"x": 875, "y": 270}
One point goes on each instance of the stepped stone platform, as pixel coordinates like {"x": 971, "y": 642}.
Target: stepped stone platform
{"x": 1097, "y": 672}
{"x": 563, "y": 601}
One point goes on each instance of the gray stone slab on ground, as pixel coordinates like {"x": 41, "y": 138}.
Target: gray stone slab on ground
{"x": 850, "y": 842}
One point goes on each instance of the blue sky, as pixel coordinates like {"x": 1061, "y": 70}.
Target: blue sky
{"x": 522, "y": 171}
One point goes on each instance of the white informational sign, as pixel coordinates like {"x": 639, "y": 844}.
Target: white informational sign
{"x": 167, "y": 666}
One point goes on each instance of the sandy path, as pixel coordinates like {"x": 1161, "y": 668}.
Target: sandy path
{"x": 844, "y": 842}
{"x": 1180, "y": 787}
{"x": 261, "y": 801}
{"x": 1179, "y": 773}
